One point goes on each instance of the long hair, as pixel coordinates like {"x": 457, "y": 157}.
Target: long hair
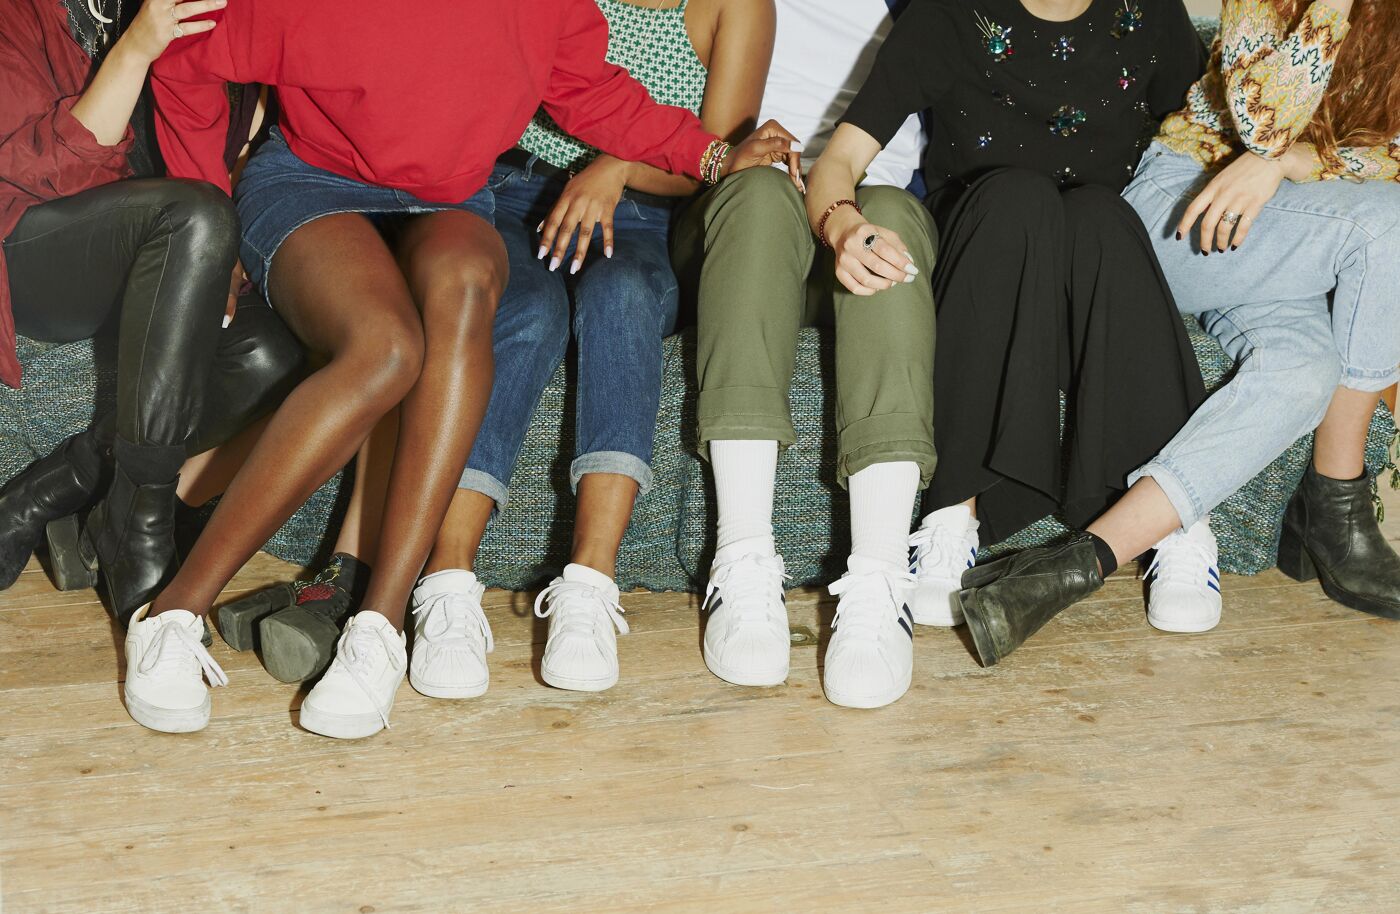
{"x": 1362, "y": 104}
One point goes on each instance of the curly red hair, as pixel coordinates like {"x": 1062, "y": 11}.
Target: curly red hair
{"x": 1362, "y": 104}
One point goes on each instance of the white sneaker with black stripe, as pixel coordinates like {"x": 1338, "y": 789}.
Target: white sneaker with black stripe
{"x": 944, "y": 546}
{"x": 747, "y": 640}
{"x": 870, "y": 658}
{"x": 1184, "y": 581}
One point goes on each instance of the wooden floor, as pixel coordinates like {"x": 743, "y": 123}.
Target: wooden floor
{"x": 1106, "y": 767}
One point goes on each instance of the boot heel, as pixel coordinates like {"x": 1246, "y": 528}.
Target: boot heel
{"x": 1293, "y": 558}
{"x": 71, "y": 570}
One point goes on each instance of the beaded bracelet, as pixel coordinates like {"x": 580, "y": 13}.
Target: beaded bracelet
{"x": 712, "y": 161}
{"x": 821, "y": 223}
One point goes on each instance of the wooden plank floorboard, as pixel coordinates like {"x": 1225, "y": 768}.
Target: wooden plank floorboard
{"x": 1105, "y": 767}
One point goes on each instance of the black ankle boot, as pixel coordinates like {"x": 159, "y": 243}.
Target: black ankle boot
{"x": 298, "y": 642}
{"x": 129, "y": 539}
{"x": 1330, "y": 532}
{"x": 50, "y": 489}
{"x": 1009, "y": 600}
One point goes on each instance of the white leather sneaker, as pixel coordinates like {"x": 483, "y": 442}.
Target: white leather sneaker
{"x": 451, "y": 636}
{"x": 944, "y": 546}
{"x": 580, "y": 653}
{"x": 165, "y": 668}
{"x": 870, "y": 659}
{"x": 747, "y": 641}
{"x": 1184, "y": 581}
{"x": 353, "y": 700}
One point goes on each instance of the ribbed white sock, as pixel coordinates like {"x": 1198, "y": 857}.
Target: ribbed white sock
{"x": 744, "y": 475}
{"x": 882, "y": 501}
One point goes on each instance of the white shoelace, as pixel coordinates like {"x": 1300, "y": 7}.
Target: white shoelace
{"x": 863, "y": 611}
{"x": 576, "y": 605}
{"x": 356, "y": 656}
{"x": 451, "y": 617}
{"x": 177, "y": 649}
{"x": 746, "y": 585}
{"x": 1182, "y": 561}
{"x": 939, "y": 548}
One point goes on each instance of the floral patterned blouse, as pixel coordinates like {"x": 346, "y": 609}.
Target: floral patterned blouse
{"x": 1262, "y": 89}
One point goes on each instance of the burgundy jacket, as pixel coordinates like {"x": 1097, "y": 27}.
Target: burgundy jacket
{"x": 44, "y": 152}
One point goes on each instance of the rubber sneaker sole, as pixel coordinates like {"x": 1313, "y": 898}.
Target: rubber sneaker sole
{"x": 435, "y": 690}
{"x": 340, "y": 726}
{"x": 756, "y": 678}
{"x": 166, "y": 720}
{"x": 575, "y": 684}
{"x": 936, "y": 608}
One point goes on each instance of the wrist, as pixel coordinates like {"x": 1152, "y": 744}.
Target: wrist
{"x": 126, "y": 57}
{"x": 840, "y": 218}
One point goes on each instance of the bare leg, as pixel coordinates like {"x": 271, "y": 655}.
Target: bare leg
{"x": 339, "y": 289}
{"x": 605, "y": 503}
{"x": 359, "y": 530}
{"x": 456, "y": 267}
{"x": 1137, "y": 521}
{"x": 207, "y": 475}
{"x": 1339, "y": 448}
{"x": 462, "y": 530}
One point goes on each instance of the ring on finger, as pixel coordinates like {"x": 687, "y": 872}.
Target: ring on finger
{"x": 178, "y": 32}
{"x": 869, "y": 242}
{"x": 1230, "y": 217}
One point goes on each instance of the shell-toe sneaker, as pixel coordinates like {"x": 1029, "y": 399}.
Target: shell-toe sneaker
{"x": 944, "y": 546}
{"x": 585, "y": 618}
{"x": 451, "y": 636}
{"x": 870, "y": 658}
{"x": 165, "y": 668}
{"x": 1184, "y": 581}
{"x": 355, "y": 697}
{"x": 747, "y": 640}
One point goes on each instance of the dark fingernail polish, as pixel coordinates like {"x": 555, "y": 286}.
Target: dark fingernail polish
{"x": 1234, "y": 247}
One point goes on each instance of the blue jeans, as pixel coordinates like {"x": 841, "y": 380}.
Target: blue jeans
{"x": 1311, "y": 301}
{"x": 622, "y": 309}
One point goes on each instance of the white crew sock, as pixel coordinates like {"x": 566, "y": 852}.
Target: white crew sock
{"x": 582, "y": 574}
{"x": 882, "y": 502}
{"x": 744, "y": 474}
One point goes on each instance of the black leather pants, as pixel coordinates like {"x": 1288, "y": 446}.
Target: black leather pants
{"x": 154, "y": 256}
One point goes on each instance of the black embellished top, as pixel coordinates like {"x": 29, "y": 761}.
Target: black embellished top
{"x": 998, "y": 87}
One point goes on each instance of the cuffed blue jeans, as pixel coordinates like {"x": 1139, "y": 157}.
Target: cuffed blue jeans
{"x": 622, "y": 308}
{"x": 1311, "y": 301}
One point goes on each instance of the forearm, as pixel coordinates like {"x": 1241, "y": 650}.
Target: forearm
{"x": 651, "y": 180}
{"x": 832, "y": 178}
{"x": 105, "y": 108}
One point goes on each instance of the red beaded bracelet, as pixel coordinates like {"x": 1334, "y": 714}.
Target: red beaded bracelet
{"x": 821, "y": 223}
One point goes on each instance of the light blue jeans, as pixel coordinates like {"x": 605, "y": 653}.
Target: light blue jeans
{"x": 1311, "y": 301}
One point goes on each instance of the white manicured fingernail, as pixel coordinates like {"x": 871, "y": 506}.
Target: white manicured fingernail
{"x": 909, "y": 278}
{"x": 228, "y": 319}
{"x": 573, "y": 267}
{"x": 796, "y": 147}
{"x": 607, "y": 252}
{"x": 543, "y": 251}
{"x": 553, "y": 264}
{"x": 911, "y": 269}
{"x": 540, "y": 227}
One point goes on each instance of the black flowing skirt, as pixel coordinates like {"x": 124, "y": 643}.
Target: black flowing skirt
{"x": 1042, "y": 290}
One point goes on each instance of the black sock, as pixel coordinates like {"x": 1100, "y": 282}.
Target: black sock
{"x": 148, "y": 464}
{"x": 1108, "y": 562}
{"x": 349, "y": 572}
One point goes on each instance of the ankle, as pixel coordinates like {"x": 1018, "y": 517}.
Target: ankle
{"x": 148, "y": 464}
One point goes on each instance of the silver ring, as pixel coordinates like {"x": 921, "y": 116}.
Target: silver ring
{"x": 869, "y": 242}
{"x": 1230, "y": 218}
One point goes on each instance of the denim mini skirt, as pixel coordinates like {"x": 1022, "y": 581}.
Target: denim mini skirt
{"x": 278, "y": 193}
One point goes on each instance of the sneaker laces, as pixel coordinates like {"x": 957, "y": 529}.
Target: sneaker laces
{"x": 355, "y": 655}
{"x": 454, "y": 617}
{"x": 178, "y": 650}
{"x": 939, "y": 547}
{"x": 1181, "y": 560}
{"x": 748, "y": 584}
{"x": 866, "y": 599}
{"x": 576, "y": 605}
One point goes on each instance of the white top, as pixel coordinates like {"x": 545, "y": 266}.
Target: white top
{"x": 822, "y": 53}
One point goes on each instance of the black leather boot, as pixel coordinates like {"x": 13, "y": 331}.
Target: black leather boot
{"x": 1330, "y": 532}
{"x": 1009, "y": 600}
{"x": 129, "y": 539}
{"x": 51, "y": 489}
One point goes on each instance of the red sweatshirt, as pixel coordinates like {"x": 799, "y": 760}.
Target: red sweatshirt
{"x": 420, "y": 96}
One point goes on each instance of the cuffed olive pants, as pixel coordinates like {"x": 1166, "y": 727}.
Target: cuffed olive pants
{"x": 747, "y": 247}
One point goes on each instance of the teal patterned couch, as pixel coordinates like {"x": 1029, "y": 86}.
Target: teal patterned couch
{"x": 670, "y": 540}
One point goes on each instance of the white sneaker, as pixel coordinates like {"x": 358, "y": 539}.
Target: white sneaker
{"x": 354, "y": 698}
{"x": 870, "y": 659}
{"x": 165, "y": 669}
{"x": 944, "y": 546}
{"x": 581, "y": 651}
{"x": 451, "y": 636}
{"x": 1184, "y": 593}
{"x": 747, "y": 641}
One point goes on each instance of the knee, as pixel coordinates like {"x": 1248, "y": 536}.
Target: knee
{"x": 203, "y": 216}
{"x": 763, "y": 194}
{"x": 387, "y": 355}
{"x": 533, "y": 323}
{"x": 268, "y": 356}
{"x": 459, "y": 304}
{"x": 1097, "y": 206}
{"x": 903, "y": 213}
{"x": 1305, "y": 372}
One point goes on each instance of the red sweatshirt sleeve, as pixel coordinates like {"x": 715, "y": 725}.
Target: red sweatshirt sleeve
{"x": 189, "y": 82}
{"x": 44, "y": 150}
{"x": 605, "y": 107}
